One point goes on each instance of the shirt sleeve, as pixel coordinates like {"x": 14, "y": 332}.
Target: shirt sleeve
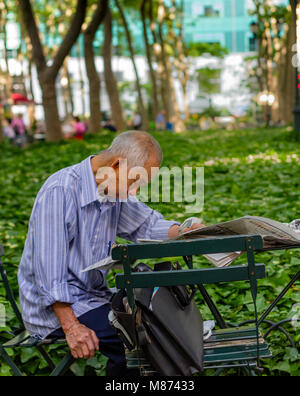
{"x": 51, "y": 248}
{"x": 138, "y": 221}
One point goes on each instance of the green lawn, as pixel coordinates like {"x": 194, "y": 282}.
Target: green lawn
{"x": 246, "y": 172}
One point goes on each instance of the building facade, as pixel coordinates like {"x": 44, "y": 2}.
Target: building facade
{"x": 226, "y": 22}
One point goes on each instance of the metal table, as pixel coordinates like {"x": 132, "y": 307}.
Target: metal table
{"x": 251, "y": 244}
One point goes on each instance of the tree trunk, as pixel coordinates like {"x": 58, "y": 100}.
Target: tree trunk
{"x": 30, "y": 79}
{"x": 142, "y": 108}
{"x": 47, "y": 74}
{"x": 93, "y": 75}
{"x": 186, "y": 103}
{"x": 149, "y": 58}
{"x": 52, "y": 121}
{"x": 94, "y": 85}
{"x": 287, "y": 90}
{"x": 78, "y": 53}
{"x": 69, "y": 87}
{"x": 181, "y": 61}
{"x": 165, "y": 74}
{"x": 162, "y": 80}
{"x": 110, "y": 81}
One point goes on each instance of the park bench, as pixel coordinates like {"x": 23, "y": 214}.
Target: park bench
{"x": 233, "y": 346}
{"x": 19, "y": 337}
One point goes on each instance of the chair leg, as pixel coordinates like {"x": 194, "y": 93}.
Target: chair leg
{"x": 11, "y": 364}
{"x": 63, "y": 366}
{"x": 46, "y": 357}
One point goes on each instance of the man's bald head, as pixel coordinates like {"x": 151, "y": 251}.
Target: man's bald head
{"x": 139, "y": 148}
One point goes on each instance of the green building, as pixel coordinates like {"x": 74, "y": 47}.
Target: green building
{"x": 226, "y": 22}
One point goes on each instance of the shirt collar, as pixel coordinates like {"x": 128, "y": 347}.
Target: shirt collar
{"x": 89, "y": 193}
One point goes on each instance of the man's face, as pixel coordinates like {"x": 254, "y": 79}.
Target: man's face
{"x": 121, "y": 181}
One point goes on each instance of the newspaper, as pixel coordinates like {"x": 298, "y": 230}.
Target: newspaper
{"x": 221, "y": 260}
{"x": 104, "y": 265}
{"x": 273, "y": 233}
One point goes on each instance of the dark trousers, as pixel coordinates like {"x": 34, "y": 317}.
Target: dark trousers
{"x": 109, "y": 343}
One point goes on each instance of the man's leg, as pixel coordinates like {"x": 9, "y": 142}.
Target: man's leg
{"x": 109, "y": 343}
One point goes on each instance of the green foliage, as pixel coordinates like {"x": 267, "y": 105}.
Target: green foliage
{"x": 213, "y": 49}
{"x": 246, "y": 172}
{"x": 209, "y": 80}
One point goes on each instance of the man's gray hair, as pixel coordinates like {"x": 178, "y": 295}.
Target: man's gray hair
{"x": 136, "y": 147}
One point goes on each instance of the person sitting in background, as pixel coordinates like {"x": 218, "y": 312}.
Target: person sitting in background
{"x": 18, "y": 125}
{"x": 68, "y": 128}
{"x": 40, "y": 132}
{"x": 8, "y": 130}
{"x": 109, "y": 126}
{"x": 79, "y": 128}
{"x": 137, "y": 122}
{"x": 19, "y": 129}
{"x": 161, "y": 121}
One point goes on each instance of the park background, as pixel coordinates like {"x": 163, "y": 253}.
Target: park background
{"x": 225, "y": 74}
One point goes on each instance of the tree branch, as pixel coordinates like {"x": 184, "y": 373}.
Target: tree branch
{"x": 31, "y": 26}
{"x": 70, "y": 38}
{"x": 98, "y": 18}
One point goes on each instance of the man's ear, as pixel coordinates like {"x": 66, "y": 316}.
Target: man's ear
{"x": 116, "y": 164}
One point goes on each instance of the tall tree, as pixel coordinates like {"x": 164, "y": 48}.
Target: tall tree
{"x": 163, "y": 82}
{"x": 48, "y": 71}
{"x": 81, "y": 77}
{"x": 149, "y": 54}
{"x": 142, "y": 108}
{"x": 274, "y": 71}
{"x": 174, "y": 112}
{"x": 93, "y": 75}
{"x": 180, "y": 51}
{"x": 110, "y": 81}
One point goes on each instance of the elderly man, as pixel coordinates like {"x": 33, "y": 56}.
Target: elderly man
{"x": 73, "y": 226}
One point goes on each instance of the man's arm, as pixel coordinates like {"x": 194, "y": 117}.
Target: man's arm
{"x": 138, "y": 221}
{"x": 51, "y": 257}
{"x": 82, "y": 341}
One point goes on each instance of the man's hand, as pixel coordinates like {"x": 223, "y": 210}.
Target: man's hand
{"x": 174, "y": 231}
{"x": 196, "y": 226}
{"x": 82, "y": 342}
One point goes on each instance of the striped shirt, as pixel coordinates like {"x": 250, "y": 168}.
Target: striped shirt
{"x": 69, "y": 230}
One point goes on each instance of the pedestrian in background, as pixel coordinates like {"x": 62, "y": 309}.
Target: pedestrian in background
{"x": 79, "y": 128}
{"x": 8, "y": 130}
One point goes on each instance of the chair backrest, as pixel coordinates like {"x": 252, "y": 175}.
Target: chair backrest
{"x": 9, "y": 294}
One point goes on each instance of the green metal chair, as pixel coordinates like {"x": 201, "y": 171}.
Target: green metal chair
{"x": 240, "y": 347}
{"x": 22, "y": 339}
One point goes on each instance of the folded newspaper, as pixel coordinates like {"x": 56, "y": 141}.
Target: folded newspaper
{"x": 273, "y": 233}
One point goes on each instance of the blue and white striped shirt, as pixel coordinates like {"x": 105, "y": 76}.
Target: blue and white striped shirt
{"x": 69, "y": 230}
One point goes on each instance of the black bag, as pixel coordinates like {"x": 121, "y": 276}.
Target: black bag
{"x": 166, "y": 325}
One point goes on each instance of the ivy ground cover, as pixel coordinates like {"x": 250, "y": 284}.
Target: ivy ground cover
{"x": 254, "y": 172}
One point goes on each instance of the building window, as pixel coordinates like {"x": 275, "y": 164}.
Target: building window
{"x": 207, "y": 11}
{"x": 212, "y": 12}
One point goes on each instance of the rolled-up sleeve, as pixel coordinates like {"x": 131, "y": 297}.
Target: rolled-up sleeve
{"x": 51, "y": 248}
{"x": 138, "y": 221}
